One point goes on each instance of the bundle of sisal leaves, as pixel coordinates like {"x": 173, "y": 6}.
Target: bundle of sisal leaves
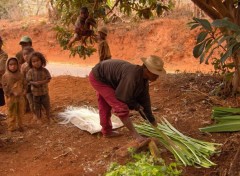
{"x": 190, "y": 151}
{"x": 227, "y": 120}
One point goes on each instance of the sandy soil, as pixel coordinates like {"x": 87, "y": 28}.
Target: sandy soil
{"x": 44, "y": 149}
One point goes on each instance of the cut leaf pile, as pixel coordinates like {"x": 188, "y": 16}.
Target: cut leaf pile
{"x": 227, "y": 120}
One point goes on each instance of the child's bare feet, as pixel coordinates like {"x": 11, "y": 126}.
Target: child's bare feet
{"x": 39, "y": 121}
{"x": 3, "y": 116}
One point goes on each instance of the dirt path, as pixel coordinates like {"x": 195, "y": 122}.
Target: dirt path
{"x": 66, "y": 150}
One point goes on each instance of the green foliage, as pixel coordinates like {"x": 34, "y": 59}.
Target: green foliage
{"x": 221, "y": 38}
{"x": 145, "y": 8}
{"x": 221, "y": 34}
{"x": 63, "y": 36}
{"x": 82, "y": 51}
{"x": 144, "y": 165}
{"x": 68, "y": 12}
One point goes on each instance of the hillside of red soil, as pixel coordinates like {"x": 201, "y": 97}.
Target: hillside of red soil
{"x": 180, "y": 98}
{"x": 169, "y": 38}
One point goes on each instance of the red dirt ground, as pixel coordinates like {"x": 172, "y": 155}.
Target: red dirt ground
{"x": 38, "y": 150}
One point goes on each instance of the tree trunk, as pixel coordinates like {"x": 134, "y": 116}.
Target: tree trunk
{"x": 212, "y": 13}
{"x": 218, "y": 9}
{"x": 236, "y": 75}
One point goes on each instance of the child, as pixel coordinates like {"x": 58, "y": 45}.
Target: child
{"x": 25, "y": 41}
{"x": 3, "y": 59}
{"x": 14, "y": 88}
{"x": 103, "y": 48}
{"x": 24, "y": 69}
{"x": 39, "y": 77}
{"x": 82, "y": 26}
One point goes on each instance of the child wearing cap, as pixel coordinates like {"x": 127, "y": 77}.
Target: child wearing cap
{"x": 24, "y": 42}
{"x": 14, "y": 88}
{"x": 27, "y": 51}
{"x": 3, "y": 59}
{"x": 103, "y": 47}
{"x": 83, "y": 27}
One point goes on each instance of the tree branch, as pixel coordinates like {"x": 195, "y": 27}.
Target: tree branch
{"x": 236, "y": 12}
{"x": 229, "y": 4}
{"x": 116, "y": 3}
{"x": 95, "y": 5}
{"x": 220, "y": 7}
{"x": 212, "y": 13}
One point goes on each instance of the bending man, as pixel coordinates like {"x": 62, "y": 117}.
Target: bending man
{"x": 121, "y": 86}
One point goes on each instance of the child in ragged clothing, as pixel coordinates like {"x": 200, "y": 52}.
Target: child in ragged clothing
{"x": 14, "y": 88}
{"x": 39, "y": 77}
{"x": 103, "y": 47}
{"x": 24, "y": 69}
{"x": 83, "y": 27}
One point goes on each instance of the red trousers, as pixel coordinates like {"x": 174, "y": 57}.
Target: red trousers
{"x": 108, "y": 102}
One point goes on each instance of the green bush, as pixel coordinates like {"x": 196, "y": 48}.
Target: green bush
{"x": 144, "y": 164}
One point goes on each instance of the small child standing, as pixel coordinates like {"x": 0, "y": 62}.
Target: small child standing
{"x": 24, "y": 69}
{"x": 39, "y": 77}
{"x": 14, "y": 88}
{"x": 103, "y": 48}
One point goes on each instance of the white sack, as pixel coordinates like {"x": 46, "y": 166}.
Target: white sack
{"x": 86, "y": 118}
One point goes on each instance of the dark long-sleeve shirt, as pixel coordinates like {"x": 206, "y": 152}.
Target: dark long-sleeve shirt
{"x": 128, "y": 82}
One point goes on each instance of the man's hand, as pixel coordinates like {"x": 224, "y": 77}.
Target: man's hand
{"x": 138, "y": 107}
{"x": 154, "y": 123}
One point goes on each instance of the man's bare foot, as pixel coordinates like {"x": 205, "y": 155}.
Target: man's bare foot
{"x": 139, "y": 138}
{"x": 112, "y": 134}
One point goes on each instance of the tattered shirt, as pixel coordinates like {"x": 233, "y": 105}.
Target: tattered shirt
{"x": 24, "y": 69}
{"x": 104, "y": 50}
{"x": 38, "y": 75}
{"x": 20, "y": 58}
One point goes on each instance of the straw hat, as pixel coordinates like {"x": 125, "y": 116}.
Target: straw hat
{"x": 154, "y": 64}
{"x": 104, "y": 30}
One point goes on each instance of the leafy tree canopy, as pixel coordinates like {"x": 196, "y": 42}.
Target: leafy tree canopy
{"x": 222, "y": 34}
{"x": 68, "y": 12}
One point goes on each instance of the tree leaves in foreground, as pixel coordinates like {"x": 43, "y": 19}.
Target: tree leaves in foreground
{"x": 219, "y": 40}
{"x": 63, "y": 37}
